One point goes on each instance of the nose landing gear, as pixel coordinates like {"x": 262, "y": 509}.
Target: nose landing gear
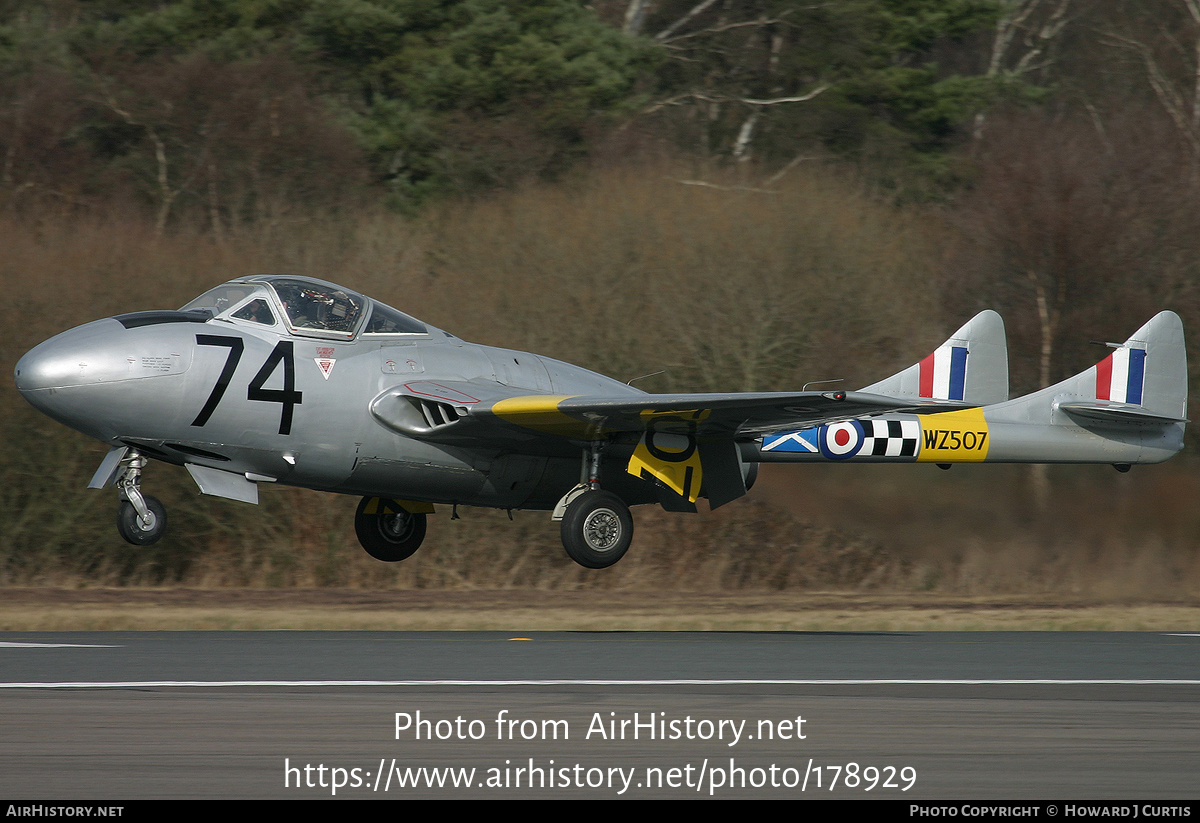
{"x": 141, "y": 519}
{"x": 388, "y": 530}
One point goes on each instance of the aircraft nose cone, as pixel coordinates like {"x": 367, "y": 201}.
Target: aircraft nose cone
{"x": 81, "y": 378}
{"x": 34, "y": 373}
{"x": 45, "y": 371}
{"x": 61, "y": 362}
{"x": 38, "y": 369}
{"x": 60, "y": 377}
{"x": 107, "y": 376}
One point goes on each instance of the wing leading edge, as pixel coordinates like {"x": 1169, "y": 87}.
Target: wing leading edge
{"x": 735, "y": 415}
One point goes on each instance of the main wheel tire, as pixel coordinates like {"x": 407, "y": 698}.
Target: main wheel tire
{"x": 597, "y": 529}
{"x": 137, "y": 532}
{"x": 391, "y": 534}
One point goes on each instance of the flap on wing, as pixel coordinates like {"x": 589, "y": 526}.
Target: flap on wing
{"x": 225, "y": 484}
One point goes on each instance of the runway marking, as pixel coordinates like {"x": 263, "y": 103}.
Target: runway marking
{"x": 18, "y": 644}
{"x": 167, "y": 684}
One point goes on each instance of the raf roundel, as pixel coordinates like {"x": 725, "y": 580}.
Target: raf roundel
{"x": 841, "y": 441}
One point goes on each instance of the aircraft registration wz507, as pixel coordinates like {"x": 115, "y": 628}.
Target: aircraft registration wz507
{"x": 285, "y": 379}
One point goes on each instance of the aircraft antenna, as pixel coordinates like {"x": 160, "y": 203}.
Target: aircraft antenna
{"x": 644, "y": 376}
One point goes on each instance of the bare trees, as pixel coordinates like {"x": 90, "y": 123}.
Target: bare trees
{"x": 1073, "y": 234}
{"x": 1165, "y": 40}
{"x": 779, "y": 81}
{"x": 239, "y": 141}
{"x": 1081, "y": 211}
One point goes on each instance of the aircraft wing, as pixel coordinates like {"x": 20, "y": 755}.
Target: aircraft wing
{"x": 725, "y": 416}
{"x": 455, "y": 410}
{"x": 682, "y": 440}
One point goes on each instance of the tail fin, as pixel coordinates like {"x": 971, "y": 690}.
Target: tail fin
{"x": 1128, "y": 408}
{"x": 1143, "y": 382}
{"x": 971, "y": 367}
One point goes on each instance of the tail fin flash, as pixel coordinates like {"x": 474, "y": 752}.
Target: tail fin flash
{"x": 970, "y": 367}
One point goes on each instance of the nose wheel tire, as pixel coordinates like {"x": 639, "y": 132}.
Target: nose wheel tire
{"x": 141, "y": 532}
{"x": 597, "y": 529}
{"x": 387, "y": 531}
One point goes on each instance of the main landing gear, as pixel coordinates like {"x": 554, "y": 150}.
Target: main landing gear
{"x": 141, "y": 519}
{"x": 387, "y": 530}
{"x": 597, "y": 527}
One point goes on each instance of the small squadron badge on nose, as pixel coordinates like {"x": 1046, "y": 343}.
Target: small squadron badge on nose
{"x": 324, "y": 360}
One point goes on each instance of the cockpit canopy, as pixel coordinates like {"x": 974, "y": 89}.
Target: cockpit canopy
{"x": 306, "y": 306}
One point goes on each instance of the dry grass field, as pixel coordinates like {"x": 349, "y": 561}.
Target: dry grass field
{"x": 522, "y": 611}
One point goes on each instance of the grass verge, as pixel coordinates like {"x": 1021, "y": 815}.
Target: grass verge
{"x": 49, "y": 609}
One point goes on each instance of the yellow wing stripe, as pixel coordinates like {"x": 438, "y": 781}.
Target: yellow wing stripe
{"x": 529, "y": 404}
{"x": 540, "y": 413}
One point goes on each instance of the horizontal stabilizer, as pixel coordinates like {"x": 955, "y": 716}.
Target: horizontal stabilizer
{"x": 1117, "y": 413}
{"x": 970, "y": 367}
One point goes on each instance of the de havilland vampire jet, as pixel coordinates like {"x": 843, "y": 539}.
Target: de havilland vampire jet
{"x": 285, "y": 379}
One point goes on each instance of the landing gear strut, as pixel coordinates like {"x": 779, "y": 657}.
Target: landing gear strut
{"x": 387, "y": 530}
{"x": 141, "y": 519}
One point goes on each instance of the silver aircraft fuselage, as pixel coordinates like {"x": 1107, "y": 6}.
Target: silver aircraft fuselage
{"x": 306, "y": 407}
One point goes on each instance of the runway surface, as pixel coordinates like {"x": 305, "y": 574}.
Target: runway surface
{"x": 127, "y": 715}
